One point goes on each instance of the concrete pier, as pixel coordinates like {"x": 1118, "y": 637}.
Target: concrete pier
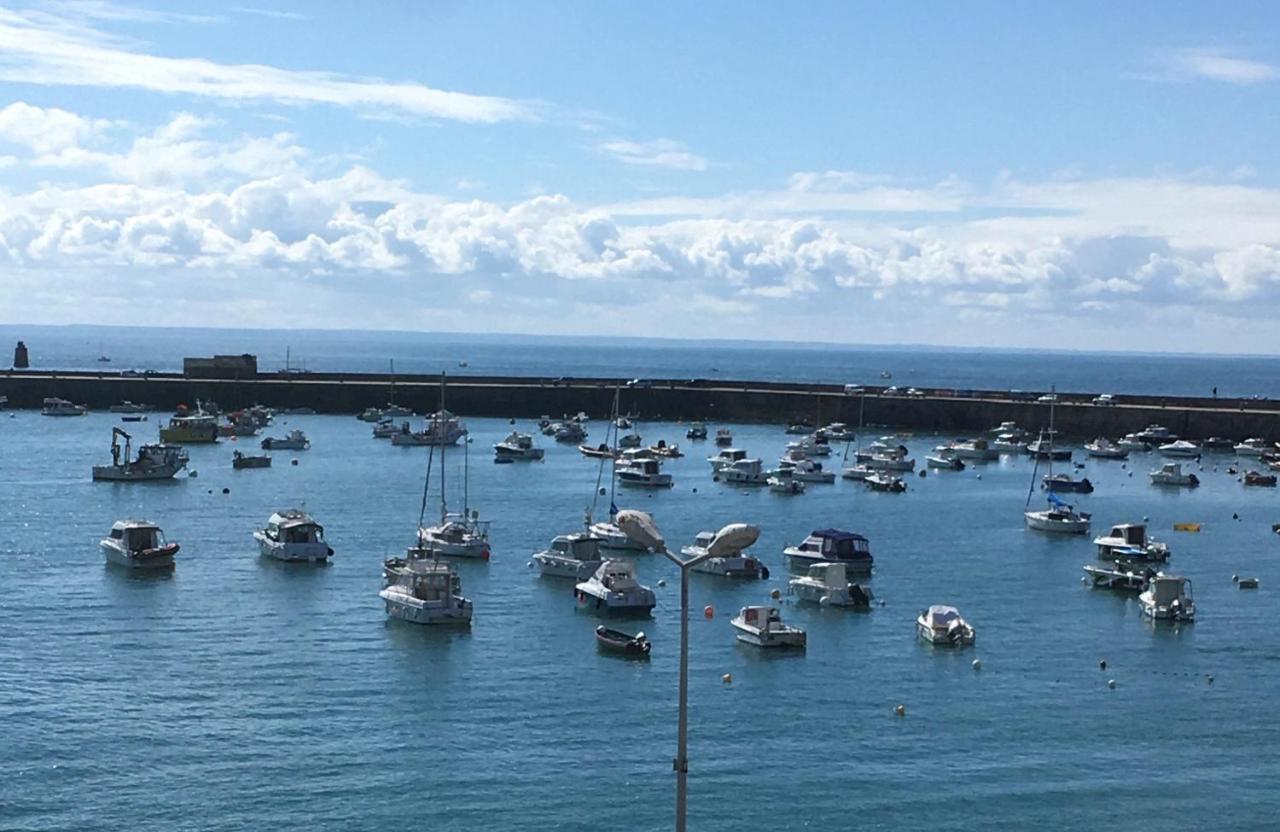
{"x": 946, "y": 411}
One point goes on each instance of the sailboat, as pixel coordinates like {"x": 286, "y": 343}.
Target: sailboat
{"x": 1059, "y": 517}
{"x": 611, "y": 537}
{"x": 458, "y": 535}
{"x": 859, "y": 470}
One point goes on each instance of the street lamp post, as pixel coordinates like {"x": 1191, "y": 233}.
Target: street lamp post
{"x": 681, "y": 762}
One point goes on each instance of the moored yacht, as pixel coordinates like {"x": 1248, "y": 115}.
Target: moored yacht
{"x": 1043, "y": 448}
{"x": 763, "y": 627}
{"x": 575, "y": 555}
{"x": 724, "y": 437}
{"x": 806, "y": 470}
{"x": 517, "y": 446}
{"x": 292, "y": 535}
{"x": 1156, "y": 435}
{"x": 1058, "y": 517}
{"x": 643, "y": 473}
{"x": 1171, "y": 473}
{"x": 974, "y": 450}
{"x": 744, "y": 472}
{"x": 726, "y": 457}
{"x": 887, "y": 483}
{"x": 784, "y": 484}
{"x": 613, "y": 589}
{"x": 127, "y": 406}
{"x": 942, "y": 625}
{"x": 296, "y": 440}
{"x": 154, "y": 462}
{"x": 1168, "y": 598}
{"x": 1009, "y": 443}
{"x": 1253, "y": 447}
{"x": 1181, "y": 449}
{"x": 137, "y": 544}
{"x": 1103, "y": 448}
{"x": 832, "y": 546}
{"x": 62, "y": 407}
{"x": 571, "y": 432}
{"x": 727, "y": 548}
{"x": 424, "y": 591}
{"x": 828, "y": 584}
{"x": 1129, "y": 541}
{"x": 1133, "y": 442}
{"x": 1065, "y": 483}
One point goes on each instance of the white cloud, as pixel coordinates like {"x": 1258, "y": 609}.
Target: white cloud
{"x": 42, "y": 49}
{"x": 272, "y": 13}
{"x": 659, "y": 153}
{"x": 1210, "y": 65}
{"x": 47, "y": 130}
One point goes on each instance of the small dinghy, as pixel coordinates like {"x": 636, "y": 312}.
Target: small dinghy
{"x": 624, "y": 644}
{"x": 1260, "y": 479}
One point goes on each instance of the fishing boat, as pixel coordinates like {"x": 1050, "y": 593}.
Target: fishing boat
{"x": 61, "y": 407}
{"x": 1181, "y": 449}
{"x": 630, "y": 440}
{"x": 1171, "y": 473}
{"x": 887, "y": 483}
{"x": 296, "y": 440}
{"x": 942, "y": 625}
{"x": 1065, "y": 483}
{"x": 240, "y": 461}
{"x": 424, "y": 591}
{"x": 724, "y": 437}
{"x": 1168, "y": 598}
{"x": 1257, "y": 478}
{"x": 643, "y": 473}
{"x": 1124, "y": 575}
{"x": 193, "y": 429}
{"x": 697, "y": 431}
{"x": 137, "y": 544}
{"x": 744, "y": 472}
{"x": 832, "y": 546}
{"x": 727, "y": 552}
{"x": 1129, "y": 541}
{"x": 517, "y": 446}
{"x": 828, "y": 584}
{"x": 575, "y": 555}
{"x": 154, "y": 462}
{"x": 614, "y": 590}
{"x": 1103, "y": 448}
{"x": 763, "y": 627}
{"x": 785, "y": 485}
{"x": 292, "y": 535}
{"x": 625, "y": 644}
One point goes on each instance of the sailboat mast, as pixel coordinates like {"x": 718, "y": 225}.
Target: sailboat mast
{"x": 613, "y": 457}
{"x": 435, "y": 437}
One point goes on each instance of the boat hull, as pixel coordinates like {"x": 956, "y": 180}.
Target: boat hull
{"x": 404, "y": 607}
{"x": 638, "y": 605}
{"x": 553, "y": 566}
{"x": 112, "y": 473}
{"x": 293, "y": 552}
{"x": 159, "y": 559}
{"x": 793, "y": 639}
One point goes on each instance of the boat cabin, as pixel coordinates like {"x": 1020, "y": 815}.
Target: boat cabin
{"x": 136, "y": 536}
{"x": 577, "y": 546}
{"x": 294, "y": 526}
{"x": 834, "y": 544}
{"x": 763, "y": 618}
{"x": 1166, "y": 589}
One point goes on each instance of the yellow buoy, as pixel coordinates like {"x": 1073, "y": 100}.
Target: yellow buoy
{"x": 1186, "y": 527}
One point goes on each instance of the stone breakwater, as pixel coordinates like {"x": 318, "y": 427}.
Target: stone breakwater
{"x": 947, "y": 411}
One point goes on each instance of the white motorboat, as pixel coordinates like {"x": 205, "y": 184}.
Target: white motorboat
{"x": 1181, "y": 449}
{"x": 890, "y": 462}
{"x": 1009, "y": 443}
{"x": 387, "y": 428}
{"x": 1129, "y": 541}
{"x": 424, "y": 591}
{"x": 575, "y": 555}
{"x": 798, "y": 429}
{"x": 832, "y": 546}
{"x": 1171, "y": 473}
{"x": 806, "y": 470}
{"x": 292, "y": 535}
{"x": 1168, "y": 598}
{"x": 944, "y": 458}
{"x": 697, "y": 431}
{"x": 613, "y": 538}
{"x": 517, "y": 446}
{"x": 1103, "y": 448}
{"x": 62, "y": 407}
{"x": 1008, "y": 429}
{"x": 828, "y": 584}
{"x": 744, "y": 472}
{"x": 785, "y": 485}
{"x": 856, "y": 472}
{"x": 457, "y": 535}
{"x": 1133, "y": 442}
{"x": 154, "y": 462}
{"x": 724, "y": 437}
{"x": 943, "y": 626}
{"x": 726, "y": 457}
{"x": 137, "y": 544}
{"x": 295, "y": 440}
{"x": 839, "y": 432}
{"x": 1156, "y": 435}
{"x": 763, "y": 627}
{"x": 613, "y": 589}
{"x": 809, "y": 447}
{"x": 728, "y": 552}
{"x": 571, "y": 432}
{"x": 395, "y": 411}
{"x": 887, "y": 483}
{"x": 1254, "y": 447}
{"x": 974, "y": 450}
{"x": 643, "y": 473}
{"x": 127, "y": 406}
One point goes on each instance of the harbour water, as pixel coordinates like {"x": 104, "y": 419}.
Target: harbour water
{"x": 239, "y": 693}
{"x": 160, "y": 349}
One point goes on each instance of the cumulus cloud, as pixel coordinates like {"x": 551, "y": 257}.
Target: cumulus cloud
{"x": 39, "y": 48}
{"x": 47, "y": 130}
{"x": 659, "y": 153}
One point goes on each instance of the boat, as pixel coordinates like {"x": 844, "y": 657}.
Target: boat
{"x": 890, "y": 462}
{"x": 1253, "y": 447}
{"x": 1059, "y": 517}
{"x": 135, "y": 417}
{"x": 1171, "y": 473}
{"x": 1129, "y": 541}
{"x": 1009, "y": 443}
{"x": 643, "y": 473}
{"x": 1168, "y": 598}
{"x": 838, "y": 432}
{"x": 726, "y": 457}
{"x": 974, "y": 450}
{"x": 744, "y": 472}
{"x": 886, "y": 483}
{"x": 942, "y": 625}
{"x": 616, "y": 641}
{"x": 697, "y": 431}
{"x": 1125, "y": 575}
{"x": 811, "y": 446}
{"x": 613, "y": 589}
{"x": 580, "y": 418}
{"x": 1132, "y": 442}
{"x": 828, "y": 584}
{"x": 662, "y": 449}
{"x": 424, "y": 591}
{"x": 601, "y": 451}
{"x": 296, "y": 440}
{"x": 1044, "y": 449}
{"x": 239, "y": 425}
{"x": 517, "y": 446}
{"x": 856, "y": 472}
{"x": 154, "y": 462}
{"x": 724, "y": 437}
{"x": 1260, "y": 479}
{"x": 630, "y": 440}
{"x": 785, "y": 485}
{"x": 763, "y": 627}
{"x": 623, "y": 423}
{"x": 371, "y": 414}
{"x": 387, "y": 429}
{"x": 240, "y": 462}
{"x": 292, "y": 535}
{"x": 1103, "y": 448}
{"x": 944, "y": 458}
{"x": 1009, "y": 429}
{"x": 806, "y": 470}
{"x": 62, "y": 407}
{"x": 1065, "y": 483}
{"x": 1181, "y": 449}
{"x": 727, "y": 552}
{"x": 575, "y": 555}
{"x": 137, "y": 544}
{"x": 195, "y": 429}
{"x": 832, "y": 546}
{"x": 571, "y": 432}
{"x": 127, "y": 406}
{"x": 1219, "y": 443}
{"x": 798, "y": 429}
{"x": 1156, "y": 435}
{"x": 442, "y": 428}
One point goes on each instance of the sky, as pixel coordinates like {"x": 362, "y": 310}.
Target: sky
{"x": 1083, "y": 175}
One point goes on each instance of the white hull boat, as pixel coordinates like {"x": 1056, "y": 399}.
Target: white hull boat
{"x": 827, "y": 584}
{"x": 942, "y": 625}
{"x": 1101, "y": 448}
{"x": 613, "y": 590}
{"x": 1171, "y": 473}
{"x": 1059, "y": 520}
{"x": 1168, "y": 598}
{"x": 293, "y": 535}
{"x": 296, "y": 440}
{"x": 763, "y": 627}
{"x": 832, "y": 546}
{"x": 726, "y": 551}
{"x": 456, "y": 536}
{"x": 785, "y": 485}
{"x": 518, "y": 447}
{"x": 574, "y": 556}
{"x": 1181, "y": 449}
{"x": 136, "y": 544}
{"x": 423, "y": 591}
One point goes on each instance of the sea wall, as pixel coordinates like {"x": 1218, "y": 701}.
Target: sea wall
{"x": 946, "y": 411}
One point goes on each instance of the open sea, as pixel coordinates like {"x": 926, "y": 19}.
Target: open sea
{"x": 238, "y": 693}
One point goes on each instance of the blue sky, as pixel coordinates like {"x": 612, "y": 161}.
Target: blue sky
{"x": 1077, "y": 175}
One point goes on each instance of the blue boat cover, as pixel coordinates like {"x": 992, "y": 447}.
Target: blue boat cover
{"x": 836, "y": 534}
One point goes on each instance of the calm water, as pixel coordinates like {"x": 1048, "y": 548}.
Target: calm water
{"x": 238, "y": 693}
{"x": 163, "y": 350}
